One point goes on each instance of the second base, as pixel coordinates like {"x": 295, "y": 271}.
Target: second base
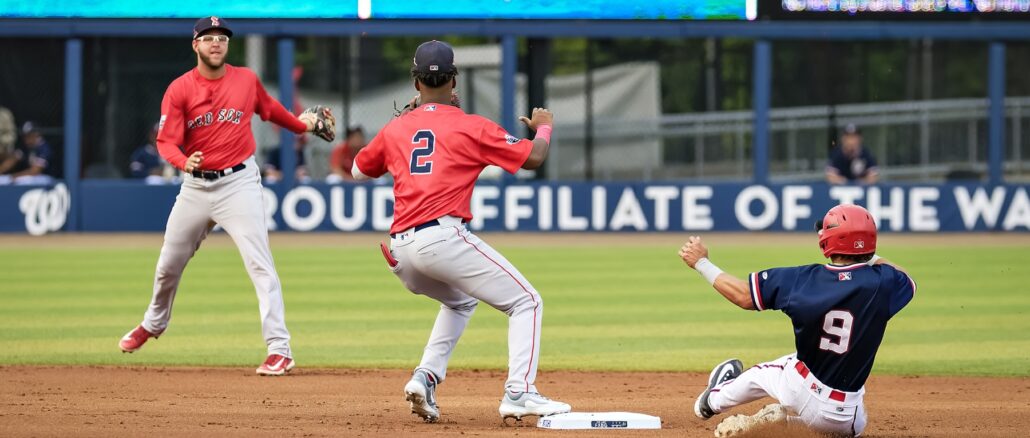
{"x": 599, "y": 420}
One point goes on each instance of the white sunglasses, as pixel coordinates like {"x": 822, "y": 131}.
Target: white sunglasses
{"x": 213, "y": 38}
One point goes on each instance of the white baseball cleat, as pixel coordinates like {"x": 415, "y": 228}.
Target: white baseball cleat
{"x": 518, "y": 405}
{"x": 421, "y": 392}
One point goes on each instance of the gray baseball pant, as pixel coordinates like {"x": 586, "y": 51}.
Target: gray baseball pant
{"x": 235, "y": 203}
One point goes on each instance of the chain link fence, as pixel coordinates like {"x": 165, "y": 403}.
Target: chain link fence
{"x": 626, "y": 109}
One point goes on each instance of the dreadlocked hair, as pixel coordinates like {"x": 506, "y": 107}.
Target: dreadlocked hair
{"x": 434, "y": 79}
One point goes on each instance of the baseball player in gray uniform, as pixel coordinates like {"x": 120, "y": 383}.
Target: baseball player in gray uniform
{"x": 205, "y": 131}
{"x": 435, "y": 152}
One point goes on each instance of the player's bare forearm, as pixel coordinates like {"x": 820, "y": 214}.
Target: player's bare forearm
{"x": 735, "y": 290}
{"x": 542, "y": 122}
{"x": 537, "y": 156}
{"x": 695, "y": 254}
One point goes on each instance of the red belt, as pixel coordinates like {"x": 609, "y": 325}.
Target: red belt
{"x": 803, "y": 371}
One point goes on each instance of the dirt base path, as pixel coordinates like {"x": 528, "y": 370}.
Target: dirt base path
{"x": 108, "y": 401}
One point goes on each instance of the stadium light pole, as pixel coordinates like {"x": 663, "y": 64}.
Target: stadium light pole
{"x": 760, "y": 101}
{"x": 72, "y": 127}
{"x": 996, "y": 112}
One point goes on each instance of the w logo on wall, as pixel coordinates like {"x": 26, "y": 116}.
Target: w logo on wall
{"x": 45, "y": 210}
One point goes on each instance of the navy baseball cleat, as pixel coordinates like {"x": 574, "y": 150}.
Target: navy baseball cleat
{"x": 421, "y": 392}
{"x": 722, "y": 373}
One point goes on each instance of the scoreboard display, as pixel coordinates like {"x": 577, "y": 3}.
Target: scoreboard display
{"x": 384, "y": 9}
{"x": 894, "y": 9}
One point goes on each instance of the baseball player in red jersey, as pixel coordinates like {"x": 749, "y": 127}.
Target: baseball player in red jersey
{"x": 435, "y": 152}
{"x": 205, "y": 131}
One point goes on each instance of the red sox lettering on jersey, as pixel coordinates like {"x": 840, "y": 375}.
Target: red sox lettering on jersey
{"x": 230, "y": 101}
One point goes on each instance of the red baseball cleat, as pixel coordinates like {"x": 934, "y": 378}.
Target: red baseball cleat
{"x": 135, "y": 339}
{"x": 275, "y": 365}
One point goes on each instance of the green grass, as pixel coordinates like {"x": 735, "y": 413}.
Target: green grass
{"x": 618, "y": 308}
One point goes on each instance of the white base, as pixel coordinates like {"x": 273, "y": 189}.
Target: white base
{"x": 599, "y": 420}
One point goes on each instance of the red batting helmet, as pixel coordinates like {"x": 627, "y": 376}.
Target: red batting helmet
{"x": 848, "y": 229}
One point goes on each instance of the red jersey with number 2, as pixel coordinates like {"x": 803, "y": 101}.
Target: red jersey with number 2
{"x": 435, "y": 154}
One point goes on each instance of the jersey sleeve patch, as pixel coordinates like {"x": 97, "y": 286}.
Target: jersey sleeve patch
{"x": 499, "y": 148}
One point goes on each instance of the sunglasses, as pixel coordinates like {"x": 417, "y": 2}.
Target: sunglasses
{"x": 213, "y": 38}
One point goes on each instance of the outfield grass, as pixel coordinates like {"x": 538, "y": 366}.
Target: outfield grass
{"x": 607, "y": 308}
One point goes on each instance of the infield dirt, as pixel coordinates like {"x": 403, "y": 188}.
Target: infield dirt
{"x": 112, "y": 401}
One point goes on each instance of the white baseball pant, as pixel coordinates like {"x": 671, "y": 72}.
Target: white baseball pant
{"x": 817, "y": 405}
{"x": 235, "y": 202}
{"x": 451, "y": 265}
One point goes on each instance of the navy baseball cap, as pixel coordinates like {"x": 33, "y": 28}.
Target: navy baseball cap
{"x": 207, "y": 23}
{"x": 434, "y": 57}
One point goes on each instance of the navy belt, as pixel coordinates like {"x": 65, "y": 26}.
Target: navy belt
{"x": 215, "y": 174}
{"x": 421, "y": 226}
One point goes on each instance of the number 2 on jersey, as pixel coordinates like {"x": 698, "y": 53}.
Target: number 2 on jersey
{"x": 837, "y": 323}
{"x": 427, "y": 142}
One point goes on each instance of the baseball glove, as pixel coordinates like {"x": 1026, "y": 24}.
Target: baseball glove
{"x": 320, "y": 121}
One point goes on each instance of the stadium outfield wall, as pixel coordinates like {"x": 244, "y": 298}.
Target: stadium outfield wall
{"x": 106, "y": 206}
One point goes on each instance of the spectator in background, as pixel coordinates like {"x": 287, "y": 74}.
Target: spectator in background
{"x": 8, "y": 137}
{"x": 29, "y": 164}
{"x": 850, "y": 162}
{"x": 342, "y": 158}
{"x": 271, "y": 171}
{"x": 8, "y": 133}
{"x": 146, "y": 164}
